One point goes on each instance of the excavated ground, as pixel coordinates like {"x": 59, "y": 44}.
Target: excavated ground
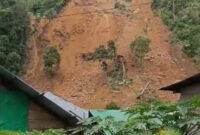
{"x": 84, "y": 83}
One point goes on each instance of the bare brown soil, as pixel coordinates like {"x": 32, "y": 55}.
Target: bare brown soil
{"x": 84, "y": 83}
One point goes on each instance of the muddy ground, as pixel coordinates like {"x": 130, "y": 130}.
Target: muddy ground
{"x": 82, "y": 26}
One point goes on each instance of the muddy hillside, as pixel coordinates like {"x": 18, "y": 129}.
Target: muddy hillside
{"x": 80, "y": 27}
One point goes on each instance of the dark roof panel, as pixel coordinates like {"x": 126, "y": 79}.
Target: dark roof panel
{"x": 184, "y": 83}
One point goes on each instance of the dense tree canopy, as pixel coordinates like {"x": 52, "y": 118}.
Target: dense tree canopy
{"x": 14, "y": 22}
{"x": 13, "y": 32}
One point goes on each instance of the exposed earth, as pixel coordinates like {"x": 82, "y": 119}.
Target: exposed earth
{"x": 81, "y": 26}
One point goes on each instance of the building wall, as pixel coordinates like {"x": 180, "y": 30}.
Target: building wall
{"x": 2, "y": 87}
{"x": 190, "y": 91}
{"x": 40, "y": 119}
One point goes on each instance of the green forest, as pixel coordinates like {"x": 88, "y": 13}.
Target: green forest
{"x": 14, "y": 28}
{"x": 13, "y": 34}
{"x": 183, "y": 18}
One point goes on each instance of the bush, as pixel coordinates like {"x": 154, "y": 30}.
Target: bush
{"x": 51, "y": 60}
{"x": 47, "y": 8}
{"x": 123, "y": 7}
{"x": 112, "y": 106}
{"x": 120, "y": 6}
{"x": 105, "y": 53}
{"x": 168, "y": 132}
{"x": 139, "y": 48}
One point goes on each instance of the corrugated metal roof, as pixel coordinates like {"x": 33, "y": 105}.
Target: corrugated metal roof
{"x": 67, "y": 111}
{"x": 177, "y": 87}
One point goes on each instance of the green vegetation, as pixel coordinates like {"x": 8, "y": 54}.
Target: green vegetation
{"x": 116, "y": 73}
{"x": 168, "y": 132}
{"x": 47, "y": 8}
{"x": 112, "y": 106}
{"x": 123, "y": 7}
{"x": 51, "y": 60}
{"x": 152, "y": 118}
{"x": 14, "y": 23}
{"x": 112, "y": 63}
{"x": 120, "y": 6}
{"x": 183, "y": 18}
{"x": 139, "y": 48}
{"x": 105, "y": 53}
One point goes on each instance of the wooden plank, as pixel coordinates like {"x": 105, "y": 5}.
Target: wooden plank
{"x": 2, "y": 87}
{"x": 41, "y": 119}
{"x": 33, "y": 115}
{"x": 45, "y": 124}
{"x": 37, "y": 112}
{"x": 35, "y": 107}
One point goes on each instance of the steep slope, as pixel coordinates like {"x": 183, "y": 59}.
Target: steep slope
{"x": 84, "y": 83}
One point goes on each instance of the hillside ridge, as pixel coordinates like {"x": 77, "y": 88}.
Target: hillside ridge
{"x": 84, "y": 83}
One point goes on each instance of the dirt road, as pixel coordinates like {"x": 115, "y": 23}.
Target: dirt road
{"x": 84, "y": 83}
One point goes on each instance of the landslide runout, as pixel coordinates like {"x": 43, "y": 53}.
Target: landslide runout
{"x": 84, "y": 83}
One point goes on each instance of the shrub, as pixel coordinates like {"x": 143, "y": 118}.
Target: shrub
{"x": 139, "y": 48}
{"x": 105, "y": 53}
{"x": 47, "y": 8}
{"x": 123, "y": 7}
{"x": 120, "y": 6}
{"x": 112, "y": 106}
{"x": 100, "y": 53}
{"x": 168, "y": 132}
{"x": 51, "y": 60}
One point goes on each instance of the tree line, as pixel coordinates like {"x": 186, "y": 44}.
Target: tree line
{"x": 14, "y": 28}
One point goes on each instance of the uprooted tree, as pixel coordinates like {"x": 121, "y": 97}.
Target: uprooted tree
{"x": 139, "y": 48}
{"x": 112, "y": 63}
{"x": 51, "y": 60}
